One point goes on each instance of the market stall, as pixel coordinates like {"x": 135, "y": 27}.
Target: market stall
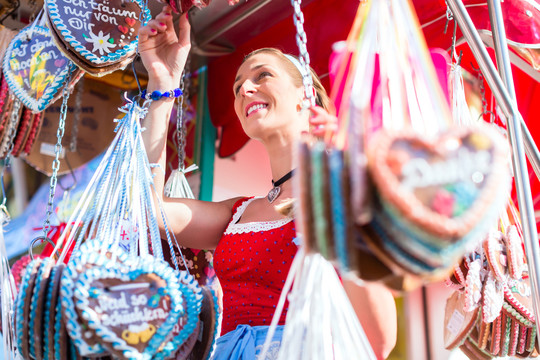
{"x": 413, "y": 189}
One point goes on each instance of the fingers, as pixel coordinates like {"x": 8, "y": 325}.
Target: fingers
{"x": 184, "y": 30}
{"x": 162, "y": 22}
{"x": 322, "y": 123}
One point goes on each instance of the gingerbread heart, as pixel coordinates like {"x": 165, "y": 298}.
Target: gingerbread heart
{"x": 91, "y": 254}
{"x": 98, "y": 33}
{"x": 31, "y": 70}
{"x": 444, "y": 187}
{"x": 187, "y": 324}
{"x": 131, "y": 309}
{"x": 458, "y": 323}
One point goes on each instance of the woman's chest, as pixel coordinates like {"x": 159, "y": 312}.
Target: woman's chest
{"x": 254, "y": 255}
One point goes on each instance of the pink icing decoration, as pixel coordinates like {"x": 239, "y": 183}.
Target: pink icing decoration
{"x": 443, "y": 203}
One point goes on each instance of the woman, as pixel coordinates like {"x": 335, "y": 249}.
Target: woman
{"x": 254, "y": 244}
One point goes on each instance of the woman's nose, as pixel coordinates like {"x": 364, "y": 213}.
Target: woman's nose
{"x": 247, "y": 88}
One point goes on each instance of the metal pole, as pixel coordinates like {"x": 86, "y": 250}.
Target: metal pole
{"x": 505, "y": 99}
{"x": 516, "y": 141}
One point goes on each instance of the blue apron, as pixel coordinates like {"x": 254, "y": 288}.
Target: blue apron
{"x": 246, "y": 343}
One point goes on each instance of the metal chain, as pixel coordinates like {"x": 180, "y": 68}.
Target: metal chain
{"x": 12, "y": 130}
{"x": 485, "y": 110}
{"x": 56, "y": 161}
{"x": 301, "y": 41}
{"x": 76, "y": 116}
{"x": 181, "y": 131}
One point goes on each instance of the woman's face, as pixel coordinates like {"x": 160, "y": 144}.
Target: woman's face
{"x": 266, "y": 99}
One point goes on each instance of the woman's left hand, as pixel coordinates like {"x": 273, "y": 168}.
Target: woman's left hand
{"x": 322, "y": 123}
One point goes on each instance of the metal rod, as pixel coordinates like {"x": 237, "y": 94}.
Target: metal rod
{"x": 514, "y": 127}
{"x": 504, "y": 99}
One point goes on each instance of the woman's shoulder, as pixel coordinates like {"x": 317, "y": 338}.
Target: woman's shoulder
{"x": 234, "y": 203}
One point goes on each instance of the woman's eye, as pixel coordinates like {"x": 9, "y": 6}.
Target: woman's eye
{"x": 264, "y": 74}
{"x": 236, "y": 90}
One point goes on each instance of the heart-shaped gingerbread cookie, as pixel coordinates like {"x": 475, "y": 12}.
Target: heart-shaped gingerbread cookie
{"x": 97, "y": 33}
{"x": 131, "y": 309}
{"x": 90, "y": 254}
{"x": 31, "y": 68}
{"x": 444, "y": 187}
{"x": 187, "y": 324}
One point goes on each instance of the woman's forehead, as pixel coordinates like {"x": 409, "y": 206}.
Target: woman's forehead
{"x": 258, "y": 60}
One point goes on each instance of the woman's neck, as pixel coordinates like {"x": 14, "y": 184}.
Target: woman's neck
{"x": 280, "y": 154}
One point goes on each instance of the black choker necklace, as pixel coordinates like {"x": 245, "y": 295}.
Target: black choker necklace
{"x": 276, "y": 189}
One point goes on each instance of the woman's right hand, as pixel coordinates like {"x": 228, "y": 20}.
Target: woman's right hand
{"x": 163, "y": 52}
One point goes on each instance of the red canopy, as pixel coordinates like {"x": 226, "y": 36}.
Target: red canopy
{"x": 328, "y": 21}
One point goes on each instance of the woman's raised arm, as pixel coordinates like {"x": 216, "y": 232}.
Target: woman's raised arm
{"x": 196, "y": 224}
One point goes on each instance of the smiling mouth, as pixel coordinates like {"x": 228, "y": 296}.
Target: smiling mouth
{"x": 255, "y": 108}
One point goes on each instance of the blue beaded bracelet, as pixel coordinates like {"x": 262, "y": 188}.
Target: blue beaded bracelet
{"x": 158, "y": 95}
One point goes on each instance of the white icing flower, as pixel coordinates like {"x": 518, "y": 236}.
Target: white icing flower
{"x": 101, "y": 42}
{"x": 208, "y": 256}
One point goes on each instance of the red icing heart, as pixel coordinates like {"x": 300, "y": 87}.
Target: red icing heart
{"x": 130, "y": 21}
{"x": 123, "y": 29}
{"x": 443, "y": 186}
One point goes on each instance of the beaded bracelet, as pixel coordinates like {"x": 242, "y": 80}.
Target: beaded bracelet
{"x": 158, "y": 95}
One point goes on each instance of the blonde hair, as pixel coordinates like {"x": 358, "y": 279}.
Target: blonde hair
{"x": 321, "y": 99}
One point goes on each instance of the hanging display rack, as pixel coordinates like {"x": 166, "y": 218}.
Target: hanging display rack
{"x": 505, "y": 95}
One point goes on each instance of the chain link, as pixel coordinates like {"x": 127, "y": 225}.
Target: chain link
{"x": 76, "y": 116}
{"x": 301, "y": 41}
{"x": 181, "y": 128}
{"x": 56, "y": 161}
{"x": 12, "y": 131}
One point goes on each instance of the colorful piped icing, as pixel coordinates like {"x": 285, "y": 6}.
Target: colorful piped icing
{"x": 217, "y": 319}
{"x": 104, "y": 33}
{"x": 443, "y": 191}
{"x": 43, "y": 267}
{"x": 21, "y": 296}
{"x": 47, "y": 313}
{"x": 192, "y": 295}
{"x": 77, "y": 263}
{"x": 339, "y": 218}
{"x": 113, "y": 318}
{"x": 33, "y": 56}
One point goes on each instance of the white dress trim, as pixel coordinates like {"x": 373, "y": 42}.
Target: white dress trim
{"x": 255, "y": 226}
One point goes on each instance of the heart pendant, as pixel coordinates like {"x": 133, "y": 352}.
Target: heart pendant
{"x": 273, "y": 194}
{"x": 31, "y": 68}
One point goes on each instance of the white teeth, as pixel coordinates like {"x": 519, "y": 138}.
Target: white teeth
{"x": 256, "y": 107}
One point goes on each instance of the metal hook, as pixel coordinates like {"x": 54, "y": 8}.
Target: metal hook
{"x": 42, "y": 239}
{"x": 72, "y": 173}
{"x": 135, "y": 74}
